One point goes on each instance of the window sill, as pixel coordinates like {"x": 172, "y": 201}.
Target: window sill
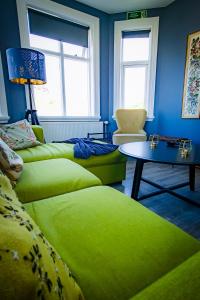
{"x": 69, "y": 119}
{"x": 4, "y": 119}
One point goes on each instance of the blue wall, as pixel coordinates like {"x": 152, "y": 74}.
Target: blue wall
{"x": 150, "y": 126}
{"x": 9, "y": 37}
{"x": 176, "y": 21}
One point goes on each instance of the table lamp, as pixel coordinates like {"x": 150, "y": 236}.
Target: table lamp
{"x": 27, "y": 66}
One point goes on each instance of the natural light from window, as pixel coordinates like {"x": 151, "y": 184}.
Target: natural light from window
{"x": 135, "y": 49}
{"x": 77, "y": 91}
{"x": 134, "y": 71}
{"x": 67, "y": 90}
{"x": 134, "y": 86}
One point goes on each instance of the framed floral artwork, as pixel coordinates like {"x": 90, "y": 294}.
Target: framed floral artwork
{"x": 191, "y": 93}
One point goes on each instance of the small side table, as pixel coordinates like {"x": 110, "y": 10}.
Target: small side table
{"x": 104, "y": 136}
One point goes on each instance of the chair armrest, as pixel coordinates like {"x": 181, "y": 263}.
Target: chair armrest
{"x": 39, "y": 133}
{"x": 118, "y": 131}
{"x": 141, "y": 131}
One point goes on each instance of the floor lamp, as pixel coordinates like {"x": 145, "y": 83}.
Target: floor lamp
{"x": 27, "y": 66}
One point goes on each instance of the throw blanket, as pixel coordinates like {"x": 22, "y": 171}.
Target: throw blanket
{"x": 84, "y": 148}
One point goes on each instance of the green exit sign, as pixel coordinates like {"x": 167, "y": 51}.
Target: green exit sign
{"x": 137, "y": 14}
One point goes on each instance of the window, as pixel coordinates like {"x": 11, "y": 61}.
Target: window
{"x": 66, "y": 92}
{"x": 70, "y": 41}
{"x": 135, "y": 64}
{"x": 65, "y": 45}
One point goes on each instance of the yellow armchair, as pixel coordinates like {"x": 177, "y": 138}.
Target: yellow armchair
{"x": 130, "y": 124}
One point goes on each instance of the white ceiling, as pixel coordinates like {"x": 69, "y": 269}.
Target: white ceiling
{"x": 116, "y": 6}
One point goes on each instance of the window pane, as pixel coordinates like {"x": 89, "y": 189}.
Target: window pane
{"x": 77, "y": 87}
{"x": 44, "y": 43}
{"x": 135, "y": 49}
{"x": 75, "y": 50}
{"x": 48, "y": 97}
{"x": 134, "y": 86}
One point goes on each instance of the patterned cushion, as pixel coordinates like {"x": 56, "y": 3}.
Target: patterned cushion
{"x": 6, "y": 191}
{"x": 30, "y": 266}
{"x": 18, "y": 135}
{"x": 10, "y": 162}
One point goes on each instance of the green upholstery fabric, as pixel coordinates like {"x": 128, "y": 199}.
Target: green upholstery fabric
{"x": 109, "y": 168}
{"x": 52, "y": 177}
{"x": 111, "y": 173}
{"x": 113, "y": 245}
{"x": 38, "y": 131}
{"x": 47, "y": 151}
{"x": 61, "y": 150}
{"x": 30, "y": 268}
{"x": 182, "y": 283}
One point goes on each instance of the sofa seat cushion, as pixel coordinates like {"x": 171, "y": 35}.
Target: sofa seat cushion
{"x": 43, "y": 179}
{"x": 62, "y": 150}
{"x": 114, "y": 246}
{"x": 181, "y": 283}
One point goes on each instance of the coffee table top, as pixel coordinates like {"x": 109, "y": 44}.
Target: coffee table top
{"x": 161, "y": 154}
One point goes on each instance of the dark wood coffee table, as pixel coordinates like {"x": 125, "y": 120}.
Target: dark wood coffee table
{"x": 164, "y": 154}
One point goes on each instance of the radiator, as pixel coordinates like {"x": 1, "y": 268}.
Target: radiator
{"x": 58, "y": 131}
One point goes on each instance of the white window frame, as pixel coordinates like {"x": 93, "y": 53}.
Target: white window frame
{"x": 3, "y": 103}
{"x": 75, "y": 16}
{"x": 61, "y": 55}
{"x": 151, "y": 24}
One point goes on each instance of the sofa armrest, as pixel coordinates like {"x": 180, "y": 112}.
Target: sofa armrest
{"x": 181, "y": 283}
{"x": 39, "y": 133}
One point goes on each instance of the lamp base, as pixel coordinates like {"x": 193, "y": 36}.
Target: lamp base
{"x": 32, "y": 115}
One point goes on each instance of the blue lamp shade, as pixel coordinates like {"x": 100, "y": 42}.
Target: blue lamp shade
{"x": 26, "y": 66}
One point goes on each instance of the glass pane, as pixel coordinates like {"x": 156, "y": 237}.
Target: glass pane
{"x": 44, "y": 43}
{"x": 75, "y": 50}
{"x": 48, "y": 97}
{"x": 135, "y": 49}
{"x": 77, "y": 87}
{"x": 134, "y": 86}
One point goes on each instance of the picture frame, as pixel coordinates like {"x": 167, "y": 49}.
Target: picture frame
{"x": 191, "y": 91}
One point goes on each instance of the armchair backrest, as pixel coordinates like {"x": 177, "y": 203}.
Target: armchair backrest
{"x": 130, "y": 120}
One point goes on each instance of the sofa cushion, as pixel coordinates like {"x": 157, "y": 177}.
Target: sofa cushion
{"x": 114, "y": 245}
{"x": 181, "y": 283}
{"x": 30, "y": 266}
{"x": 10, "y": 162}
{"x": 6, "y": 191}
{"x": 18, "y": 135}
{"x": 43, "y": 179}
{"x": 62, "y": 150}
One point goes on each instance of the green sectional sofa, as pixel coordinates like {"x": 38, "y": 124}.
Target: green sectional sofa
{"x": 115, "y": 248}
{"x": 110, "y": 168}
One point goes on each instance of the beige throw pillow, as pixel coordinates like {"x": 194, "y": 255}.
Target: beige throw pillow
{"x": 18, "y": 135}
{"x": 10, "y": 162}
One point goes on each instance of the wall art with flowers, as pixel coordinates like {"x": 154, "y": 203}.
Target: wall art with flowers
{"x": 191, "y": 93}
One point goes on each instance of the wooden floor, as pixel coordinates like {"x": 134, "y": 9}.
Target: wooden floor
{"x": 184, "y": 215}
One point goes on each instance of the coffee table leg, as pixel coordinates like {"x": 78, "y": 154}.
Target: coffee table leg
{"x": 192, "y": 177}
{"x": 137, "y": 178}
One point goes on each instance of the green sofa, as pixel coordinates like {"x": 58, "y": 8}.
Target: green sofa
{"x": 115, "y": 248}
{"x": 110, "y": 168}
